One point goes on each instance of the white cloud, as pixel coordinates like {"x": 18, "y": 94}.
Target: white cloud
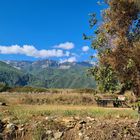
{"x": 95, "y": 55}
{"x": 85, "y": 48}
{"x": 30, "y": 50}
{"x": 65, "y": 46}
{"x": 71, "y": 59}
{"x": 93, "y": 63}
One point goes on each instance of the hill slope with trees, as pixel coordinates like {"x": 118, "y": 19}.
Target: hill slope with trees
{"x": 46, "y": 73}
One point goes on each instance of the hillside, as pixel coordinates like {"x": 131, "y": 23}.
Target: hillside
{"x": 50, "y": 74}
{"x": 15, "y": 77}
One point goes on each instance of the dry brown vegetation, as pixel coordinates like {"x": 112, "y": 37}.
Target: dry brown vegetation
{"x": 40, "y": 113}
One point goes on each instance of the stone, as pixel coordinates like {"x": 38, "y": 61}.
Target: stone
{"x": 80, "y": 134}
{"x": 70, "y": 125}
{"x": 118, "y": 116}
{"x": 86, "y": 138}
{"x": 49, "y": 118}
{"x": 82, "y": 122}
{"x": 2, "y": 104}
{"x": 11, "y": 126}
{"x": 90, "y": 119}
{"x": 52, "y": 139}
{"x": 79, "y": 126}
{"x": 58, "y": 135}
{"x": 6, "y": 120}
{"x": 1, "y": 126}
{"x": 49, "y": 132}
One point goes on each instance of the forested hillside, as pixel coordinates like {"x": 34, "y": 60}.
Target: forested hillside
{"x": 15, "y": 77}
{"x": 46, "y": 73}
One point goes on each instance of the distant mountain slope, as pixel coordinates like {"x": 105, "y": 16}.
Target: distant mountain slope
{"x": 15, "y": 77}
{"x": 67, "y": 78}
{"x": 53, "y": 74}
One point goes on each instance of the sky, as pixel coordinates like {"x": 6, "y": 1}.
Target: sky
{"x": 46, "y": 29}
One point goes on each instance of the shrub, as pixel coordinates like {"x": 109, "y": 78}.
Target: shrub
{"x": 3, "y": 87}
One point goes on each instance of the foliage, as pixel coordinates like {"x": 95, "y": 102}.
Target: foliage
{"x": 118, "y": 41}
{"x": 3, "y": 87}
{"x": 74, "y": 77}
{"x": 53, "y": 76}
{"x": 15, "y": 77}
{"x": 105, "y": 77}
{"x": 27, "y": 89}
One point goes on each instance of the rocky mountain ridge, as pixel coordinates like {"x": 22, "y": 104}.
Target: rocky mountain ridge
{"x": 46, "y": 73}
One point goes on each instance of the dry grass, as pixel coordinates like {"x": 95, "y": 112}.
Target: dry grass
{"x": 46, "y": 98}
{"x": 24, "y": 113}
{"x": 64, "y": 104}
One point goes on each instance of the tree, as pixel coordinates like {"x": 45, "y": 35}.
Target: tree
{"x": 105, "y": 78}
{"x": 118, "y": 41}
{"x": 3, "y": 87}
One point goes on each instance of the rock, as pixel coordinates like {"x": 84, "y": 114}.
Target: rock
{"x": 118, "y": 116}
{"x": 58, "y": 135}
{"x": 90, "y": 119}
{"x": 86, "y": 138}
{"x": 49, "y": 118}
{"x": 47, "y": 136}
{"x": 52, "y": 139}
{"x": 23, "y": 125}
{"x": 79, "y": 126}
{"x": 6, "y": 120}
{"x": 21, "y": 129}
{"x": 22, "y": 132}
{"x": 67, "y": 120}
{"x": 1, "y": 126}
{"x": 11, "y": 127}
{"x": 71, "y": 125}
{"x": 49, "y": 132}
{"x": 2, "y": 104}
{"x": 76, "y": 118}
{"x": 82, "y": 122}
{"x": 80, "y": 134}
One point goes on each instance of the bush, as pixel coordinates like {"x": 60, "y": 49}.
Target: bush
{"x": 27, "y": 89}
{"x": 86, "y": 90}
{"x": 130, "y": 98}
{"x": 4, "y": 87}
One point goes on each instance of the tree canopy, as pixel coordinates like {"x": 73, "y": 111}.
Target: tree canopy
{"x": 118, "y": 43}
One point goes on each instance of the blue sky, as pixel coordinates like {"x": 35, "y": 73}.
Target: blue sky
{"x": 45, "y": 29}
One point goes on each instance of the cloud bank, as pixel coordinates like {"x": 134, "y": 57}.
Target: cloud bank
{"x": 70, "y": 59}
{"x": 30, "y": 50}
{"x": 85, "y": 48}
{"x": 65, "y": 46}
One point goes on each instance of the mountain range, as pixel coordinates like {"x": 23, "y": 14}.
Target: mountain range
{"x": 46, "y": 73}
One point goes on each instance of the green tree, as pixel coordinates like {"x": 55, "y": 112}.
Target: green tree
{"x": 118, "y": 41}
{"x": 106, "y": 79}
{"x": 3, "y": 87}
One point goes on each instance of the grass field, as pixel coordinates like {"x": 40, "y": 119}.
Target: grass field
{"x": 23, "y": 113}
{"x": 24, "y": 107}
{"x": 39, "y": 113}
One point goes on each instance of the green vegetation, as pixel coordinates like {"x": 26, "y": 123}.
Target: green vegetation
{"x": 14, "y": 77}
{"x": 4, "y": 87}
{"x": 118, "y": 45}
{"x": 68, "y": 75}
{"x": 75, "y": 77}
{"x": 24, "y": 107}
{"x": 23, "y": 113}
